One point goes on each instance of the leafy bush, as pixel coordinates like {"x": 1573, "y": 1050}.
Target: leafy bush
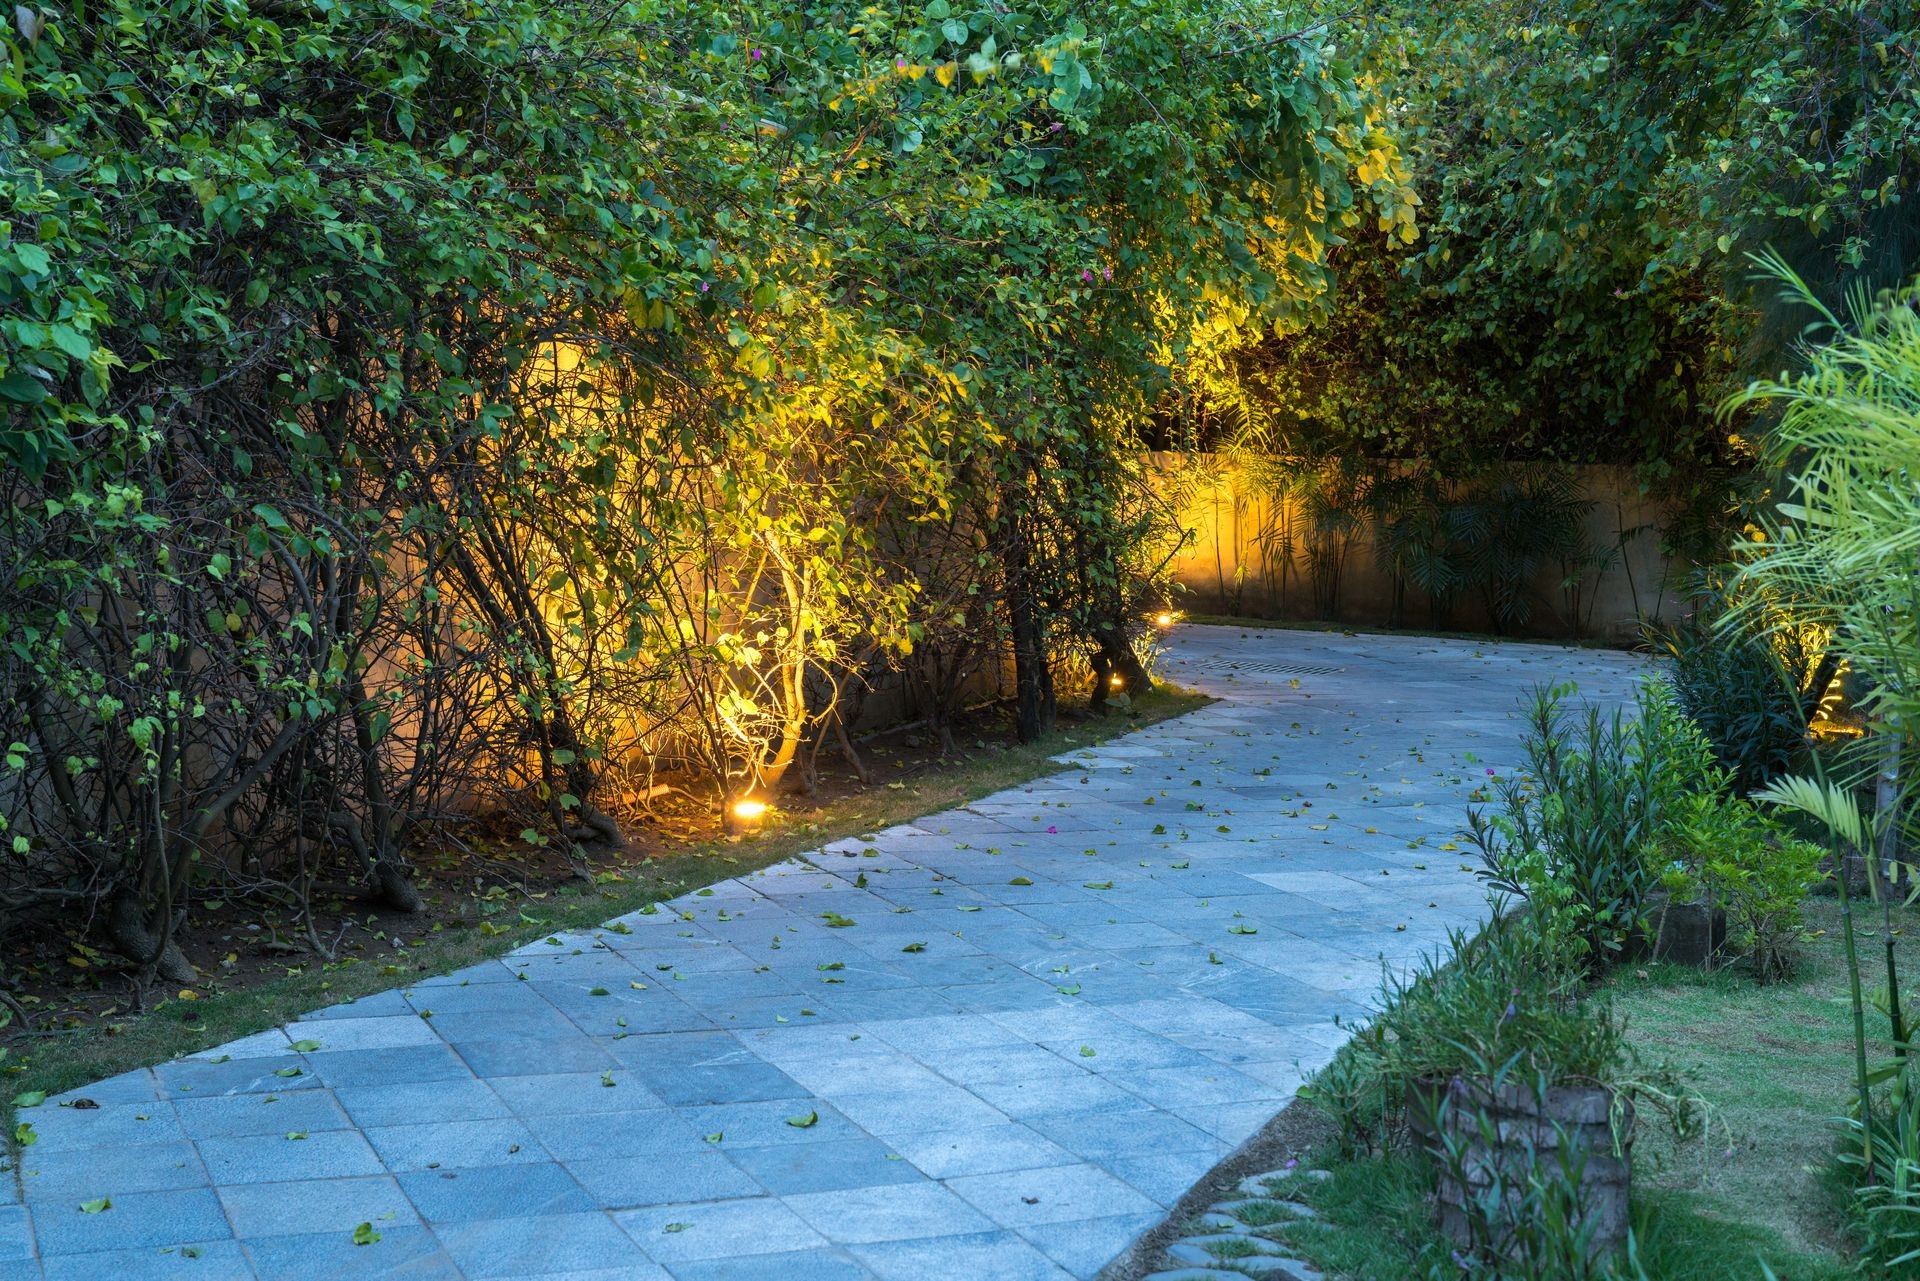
{"x": 1576, "y": 834}
{"x": 1725, "y": 852}
{"x": 1749, "y": 688}
{"x": 1842, "y": 555}
{"x": 1505, "y": 999}
{"x": 1507, "y": 1013}
{"x": 1509, "y": 1002}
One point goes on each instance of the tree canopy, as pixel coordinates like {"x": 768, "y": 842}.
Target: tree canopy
{"x": 414, "y": 404}
{"x": 1594, "y": 178}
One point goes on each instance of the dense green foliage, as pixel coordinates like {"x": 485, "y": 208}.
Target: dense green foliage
{"x": 1577, "y": 835}
{"x": 413, "y": 407}
{"x": 1591, "y": 175}
{"x": 1842, "y": 555}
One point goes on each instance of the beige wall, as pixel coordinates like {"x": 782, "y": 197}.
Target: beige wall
{"x": 1224, "y": 568}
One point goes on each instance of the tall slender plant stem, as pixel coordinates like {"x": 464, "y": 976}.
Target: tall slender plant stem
{"x": 1859, "y": 1008}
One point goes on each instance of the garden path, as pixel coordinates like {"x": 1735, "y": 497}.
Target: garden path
{"x": 994, "y": 1044}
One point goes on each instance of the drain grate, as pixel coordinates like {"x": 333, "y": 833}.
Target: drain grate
{"x": 1289, "y": 669}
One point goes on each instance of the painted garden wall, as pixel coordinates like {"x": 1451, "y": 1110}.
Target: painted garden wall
{"x": 1261, "y": 550}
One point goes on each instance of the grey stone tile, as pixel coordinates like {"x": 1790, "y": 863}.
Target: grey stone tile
{"x": 1232, "y": 1122}
{"x": 1074, "y": 1091}
{"x": 1163, "y": 1177}
{"x": 535, "y": 1055}
{"x": 941, "y": 1034}
{"x": 538, "y": 1244}
{"x": 882, "y": 1004}
{"x": 402, "y": 1065}
{"x": 206, "y": 1078}
{"x": 496, "y": 1023}
{"x": 1002, "y": 1255}
{"x": 138, "y": 1086}
{"x": 801, "y": 1265}
{"x": 241, "y": 1114}
{"x": 278, "y": 1158}
{"x": 985, "y": 1149}
{"x": 107, "y": 1126}
{"x": 85, "y": 1174}
{"x": 635, "y": 1182}
{"x": 1024, "y": 1198}
{"x": 135, "y": 1220}
{"x": 401, "y": 1252}
{"x": 16, "y": 1233}
{"x": 439, "y": 999}
{"x": 206, "y": 1261}
{"x": 1085, "y": 1246}
{"x": 367, "y": 1032}
{"x": 674, "y": 1234}
{"x": 307, "y": 1206}
{"x": 897, "y": 1213}
{"x": 697, "y": 1085}
{"x": 421, "y": 1102}
{"x": 763, "y": 1124}
{"x": 495, "y": 1192}
{"x": 379, "y": 1005}
{"x": 575, "y": 1092}
{"x": 1105, "y": 1134}
{"x": 587, "y": 1135}
{"x": 792, "y": 1168}
{"x": 454, "y": 1144}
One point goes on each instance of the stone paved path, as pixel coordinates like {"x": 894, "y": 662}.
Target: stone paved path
{"x": 992, "y": 1045}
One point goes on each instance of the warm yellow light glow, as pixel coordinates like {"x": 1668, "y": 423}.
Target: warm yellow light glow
{"x": 749, "y": 809}
{"x": 1165, "y": 619}
{"x": 1117, "y": 680}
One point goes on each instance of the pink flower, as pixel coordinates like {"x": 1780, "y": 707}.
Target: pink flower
{"x": 1106, "y": 273}
{"x": 1055, "y": 128}
{"x": 703, "y": 286}
{"x": 1052, "y": 830}
{"x": 754, "y": 55}
{"x": 1087, "y": 276}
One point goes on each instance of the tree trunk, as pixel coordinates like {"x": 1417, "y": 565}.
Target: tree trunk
{"x": 1032, "y": 678}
